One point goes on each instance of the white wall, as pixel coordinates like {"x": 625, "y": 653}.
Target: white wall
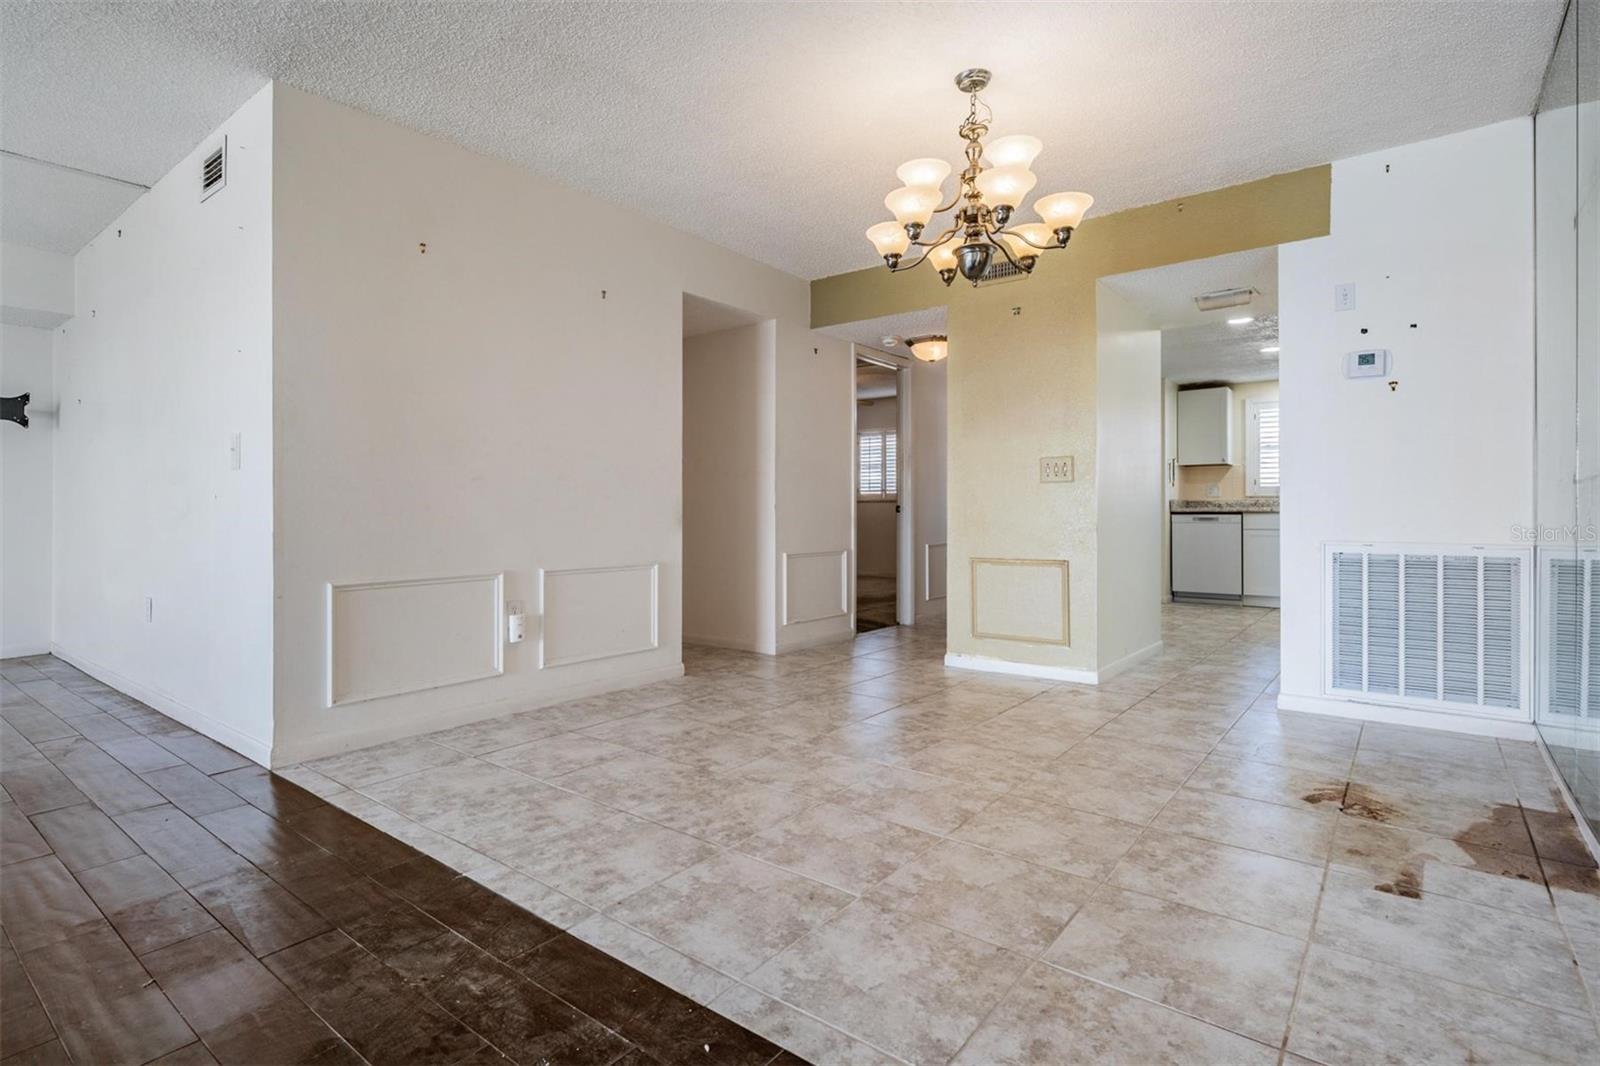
{"x": 877, "y": 525}
{"x": 35, "y": 286}
{"x": 1439, "y": 234}
{"x": 1128, "y": 487}
{"x": 441, "y": 414}
{"x": 168, "y": 358}
{"x": 26, "y": 461}
{"x": 729, "y": 406}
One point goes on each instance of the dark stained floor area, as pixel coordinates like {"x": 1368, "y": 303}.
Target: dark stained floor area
{"x": 165, "y": 900}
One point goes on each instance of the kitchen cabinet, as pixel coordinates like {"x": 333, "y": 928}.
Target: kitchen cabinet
{"x": 1261, "y": 556}
{"x": 1205, "y": 427}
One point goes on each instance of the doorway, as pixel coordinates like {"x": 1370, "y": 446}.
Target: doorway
{"x": 729, "y": 477}
{"x": 878, "y": 481}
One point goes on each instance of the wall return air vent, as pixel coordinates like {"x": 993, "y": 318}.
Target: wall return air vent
{"x": 1569, "y": 592}
{"x": 214, "y": 170}
{"x": 1436, "y": 627}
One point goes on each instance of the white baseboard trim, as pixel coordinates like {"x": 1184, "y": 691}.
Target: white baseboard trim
{"x": 1410, "y": 716}
{"x": 1014, "y": 669}
{"x": 1128, "y": 662}
{"x": 253, "y": 748}
{"x": 818, "y": 640}
{"x": 1584, "y": 829}
{"x": 732, "y": 644}
{"x": 334, "y": 743}
{"x": 22, "y": 651}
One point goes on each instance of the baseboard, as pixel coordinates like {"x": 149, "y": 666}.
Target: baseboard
{"x": 817, "y": 640}
{"x": 432, "y": 721}
{"x": 252, "y": 748}
{"x": 1584, "y": 829}
{"x": 1128, "y": 662}
{"x": 22, "y": 651}
{"x": 731, "y": 643}
{"x": 1409, "y": 716}
{"x": 1013, "y": 669}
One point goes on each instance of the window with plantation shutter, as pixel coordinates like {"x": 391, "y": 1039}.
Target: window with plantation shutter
{"x": 1261, "y": 455}
{"x": 877, "y": 465}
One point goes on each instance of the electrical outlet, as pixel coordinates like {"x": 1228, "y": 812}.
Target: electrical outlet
{"x": 235, "y": 452}
{"x": 1344, "y": 296}
{"x": 1213, "y": 491}
{"x": 149, "y": 609}
{"x": 1056, "y": 468}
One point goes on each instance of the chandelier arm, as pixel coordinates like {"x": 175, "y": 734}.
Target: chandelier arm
{"x": 1005, "y": 252}
{"x": 1024, "y": 240}
{"x": 946, "y": 235}
{"x": 902, "y": 267}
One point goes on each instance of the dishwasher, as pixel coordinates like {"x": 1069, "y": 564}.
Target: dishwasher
{"x": 1208, "y": 555}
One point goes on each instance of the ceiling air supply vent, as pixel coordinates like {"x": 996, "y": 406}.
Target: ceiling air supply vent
{"x": 214, "y": 170}
{"x": 1000, "y": 270}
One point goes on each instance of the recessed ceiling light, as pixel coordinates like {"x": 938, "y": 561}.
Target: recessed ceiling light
{"x": 1244, "y": 321}
{"x": 890, "y": 342}
{"x": 1270, "y": 349}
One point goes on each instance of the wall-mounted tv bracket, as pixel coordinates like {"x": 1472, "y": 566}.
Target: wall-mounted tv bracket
{"x": 15, "y": 409}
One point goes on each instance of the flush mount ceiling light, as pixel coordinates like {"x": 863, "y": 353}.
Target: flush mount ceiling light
{"x": 991, "y": 190}
{"x": 929, "y": 349}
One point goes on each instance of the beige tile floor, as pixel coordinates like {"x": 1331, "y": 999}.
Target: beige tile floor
{"x": 868, "y": 857}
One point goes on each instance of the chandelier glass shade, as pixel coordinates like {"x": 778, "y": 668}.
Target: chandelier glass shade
{"x": 992, "y": 189}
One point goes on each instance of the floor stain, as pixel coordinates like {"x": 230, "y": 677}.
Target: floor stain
{"x": 1360, "y": 803}
{"x": 1330, "y": 794}
{"x": 1407, "y": 883}
{"x": 1504, "y": 828}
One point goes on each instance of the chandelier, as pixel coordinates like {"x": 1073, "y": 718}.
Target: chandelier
{"x": 993, "y": 187}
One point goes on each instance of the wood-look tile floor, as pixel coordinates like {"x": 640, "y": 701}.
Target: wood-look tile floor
{"x": 864, "y": 856}
{"x": 164, "y": 900}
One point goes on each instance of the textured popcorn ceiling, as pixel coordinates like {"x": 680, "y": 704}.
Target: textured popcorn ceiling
{"x": 771, "y": 128}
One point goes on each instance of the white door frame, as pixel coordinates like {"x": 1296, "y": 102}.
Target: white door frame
{"x": 905, "y": 608}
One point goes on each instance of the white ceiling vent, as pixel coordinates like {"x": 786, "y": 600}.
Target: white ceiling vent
{"x": 1439, "y": 628}
{"x": 1001, "y": 270}
{"x": 214, "y": 170}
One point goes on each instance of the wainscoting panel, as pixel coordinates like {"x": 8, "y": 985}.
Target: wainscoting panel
{"x": 1021, "y": 599}
{"x": 935, "y": 557}
{"x": 386, "y": 638}
{"x": 598, "y": 613}
{"x": 816, "y": 585}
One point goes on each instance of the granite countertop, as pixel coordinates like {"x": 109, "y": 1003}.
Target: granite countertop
{"x": 1253, "y": 505}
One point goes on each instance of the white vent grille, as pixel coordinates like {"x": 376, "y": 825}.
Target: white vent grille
{"x": 214, "y": 170}
{"x": 1570, "y": 595}
{"x": 1444, "y": 628}
{"x": 1001, "y": 269}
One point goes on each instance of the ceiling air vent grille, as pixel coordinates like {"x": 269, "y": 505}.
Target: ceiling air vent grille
{"x": 214, "y": 170}
{"x": 1001, "y": 270}
{"x": 1443, "y": 628}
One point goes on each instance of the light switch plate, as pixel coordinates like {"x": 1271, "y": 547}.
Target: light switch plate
{"x": 1344, "y": 297}
{"x": 1056, "y": 468}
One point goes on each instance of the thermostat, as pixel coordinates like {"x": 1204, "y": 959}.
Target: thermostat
{"x": 1371, "y": 363}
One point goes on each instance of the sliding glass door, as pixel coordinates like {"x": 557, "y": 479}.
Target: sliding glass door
{"x": 1567, "y": 203}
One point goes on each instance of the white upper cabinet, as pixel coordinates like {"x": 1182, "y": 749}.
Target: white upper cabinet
{"x": 1205, "y": 427}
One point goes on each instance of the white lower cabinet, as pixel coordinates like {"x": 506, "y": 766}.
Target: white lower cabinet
{"x": 1261, "y": 556}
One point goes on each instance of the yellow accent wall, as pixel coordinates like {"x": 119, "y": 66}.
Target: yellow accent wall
{"x": 1022, "y": 375}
